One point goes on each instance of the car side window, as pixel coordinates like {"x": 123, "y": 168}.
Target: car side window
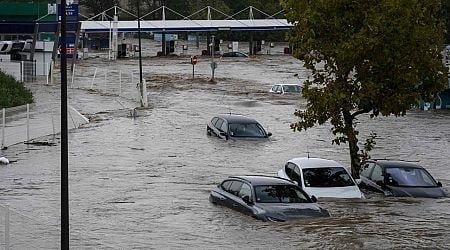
{"x": 235, "y": 188}
{"x": 214, "y": 120}
{"x": 226, "y": 185}
{"x": 245, "y": 191}
{"x": 278, "y": 90}
{"x": 377, "y": 174}
{"x": 218, "y": 124}
{"x": 274, "y": 88}
{"x": 365, "y": 170}
{"x": 296, "y": 175}
{"x": 224, "y": 127}
{"x": 288, "y": 169}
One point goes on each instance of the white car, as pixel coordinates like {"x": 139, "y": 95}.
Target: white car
{"x": 286, "y": 89}
{"x": 321, "y": 178}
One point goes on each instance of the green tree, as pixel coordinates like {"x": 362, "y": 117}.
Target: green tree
{"x": 13, "y": 93}
{"x": 367, "y": 57}
{"x": 97, "y": 6}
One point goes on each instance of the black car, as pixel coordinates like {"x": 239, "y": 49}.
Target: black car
{"x": 400, "y": 178}
{"x": 236, "y": 127}
{"x": 234, "y": 54}
{"x": 266, "y": 198}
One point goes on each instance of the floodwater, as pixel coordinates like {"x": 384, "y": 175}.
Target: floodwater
{"x": 144, "y": 183}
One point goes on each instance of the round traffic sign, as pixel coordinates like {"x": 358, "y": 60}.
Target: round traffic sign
{"x": 193, "y": 60}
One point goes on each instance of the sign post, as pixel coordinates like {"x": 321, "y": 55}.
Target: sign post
{"x": 193, "y": 62}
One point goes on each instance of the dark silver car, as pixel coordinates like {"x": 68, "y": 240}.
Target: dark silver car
{"x": 266, "y": 198}
{"x": 400, "y": 178}
{"x": 236, "y": 127}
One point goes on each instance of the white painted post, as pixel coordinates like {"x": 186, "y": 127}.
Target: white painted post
{"x": 52, "y": 76}
{"x": 28, "y": 122}
{"x": 21, "y": 72}
{"x": 106, "y": 74}
{"x": 7, "y": 227}
{"x": 132, "y": 78}
{"x": 3, "y": 127}
{"x": 93, "y": 78}
{"x": 46, "y": 72}
{"x": 144, "y": 93}
{"x": 73, "y": 74}
{"x": 120, "y": 82}
{"x": 53, "y": 127}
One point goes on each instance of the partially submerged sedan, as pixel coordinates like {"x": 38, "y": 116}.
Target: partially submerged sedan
{"x": 400, "y": 178}
{"x": 266, "y": 198}
{"x": 236, "y": 127}
{"x": 321, "y": 178}
{"x": 284, "y": 88}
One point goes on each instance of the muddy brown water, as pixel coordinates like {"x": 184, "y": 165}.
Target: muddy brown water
{"x": 143, "y": 183}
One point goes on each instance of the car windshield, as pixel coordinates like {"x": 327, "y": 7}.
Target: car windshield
{"x": 404, "y": 176}
{"x": 327, "y": 177}
{"x": 280, "y": 194}
{"x": 292, "y": 88}
{"x": 246, "y": 130}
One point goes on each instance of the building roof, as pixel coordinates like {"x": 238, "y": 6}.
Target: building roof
{"x": 187, "y": 25}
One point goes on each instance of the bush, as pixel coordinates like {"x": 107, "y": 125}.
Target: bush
{"x": 12, "y": 92}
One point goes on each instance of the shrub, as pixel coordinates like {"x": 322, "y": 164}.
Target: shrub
{"x": 12, "y": 92}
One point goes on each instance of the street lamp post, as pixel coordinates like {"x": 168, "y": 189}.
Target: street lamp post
{"x": 141, "y": 84}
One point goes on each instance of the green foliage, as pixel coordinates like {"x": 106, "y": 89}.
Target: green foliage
{"x": 366, "y": 56}
{"x": 13, "y": 93}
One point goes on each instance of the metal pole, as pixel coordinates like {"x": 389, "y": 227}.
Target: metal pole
{"x": 3, "y": 127}
{"x": 28, "y": 122}
{"x": 212, "y": 58}
{"x": 120, "y": 82}
{"x": 93, "y": 78}
{"x": 106, "y": 79}
{"x": 73, "y": 74}
{"x": 140, "y": 54}
{"x": 53, "y": 127}
{"x": 64, "y": 135}
{"x": 7, "y": 227}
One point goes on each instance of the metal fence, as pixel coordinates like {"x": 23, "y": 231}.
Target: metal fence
{"x": 20, "y": 231}
{"x": 25, "y": 71}
{"x": 28, "y": 122}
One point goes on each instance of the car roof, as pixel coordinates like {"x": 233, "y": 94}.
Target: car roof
{"x": 257, "y": 180}
{"x": 236, "y": 118}
{"x": 396, "y": 163}
{"x": 306, "y": 162}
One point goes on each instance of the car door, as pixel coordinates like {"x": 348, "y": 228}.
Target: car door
{"x": 218, "y": 128}
{"x": 233, "y": 199}
{"x": 222, "y": 197}
{"x": 243, "y": 207}
{"x": 296, "y": 175}
{"x": 376, "y": 180}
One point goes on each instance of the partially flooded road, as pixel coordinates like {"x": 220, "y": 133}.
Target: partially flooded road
{"x": 144, "y": 183}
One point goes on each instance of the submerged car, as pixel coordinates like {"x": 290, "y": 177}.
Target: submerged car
{"x": 286, "y": 89}
{"x": 266, "y": 198}
{"x": 236, "y": 127}
{"x": 234, "y": 54}
{"x": 400, "y": 178}
{"x": 321, "y": 178}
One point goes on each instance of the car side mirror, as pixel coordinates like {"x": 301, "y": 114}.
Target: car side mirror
{"x": 439, "y": 184}
{"x": 313, "y": 198}
{"x": 358, "y": 181}
{"x": 247, "y": 200}
{"x": 269, "y": 134}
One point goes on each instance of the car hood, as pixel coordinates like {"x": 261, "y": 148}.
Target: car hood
{"x": 426, "y": 192}
{"x": 334, "y": 192}
{"x": 290, "y": 211}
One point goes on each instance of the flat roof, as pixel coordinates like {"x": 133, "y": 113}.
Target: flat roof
{"x": 187, "y": 25}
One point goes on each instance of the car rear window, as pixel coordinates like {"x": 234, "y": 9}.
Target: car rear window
{"x": 280, "y": 194}
{"x": 404, "y": 176}
{"x": 327, "y": 177}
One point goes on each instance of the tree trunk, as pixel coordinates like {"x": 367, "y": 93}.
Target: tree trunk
{"x": 352, "y": 144}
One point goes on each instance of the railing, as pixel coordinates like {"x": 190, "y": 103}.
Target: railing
{"x": 25, "y": 71}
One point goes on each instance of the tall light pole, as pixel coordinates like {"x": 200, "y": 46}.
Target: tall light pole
{"x": 141, "y": 84}
{"x": 213, "y": 64}
{"x": 64, "y": 134}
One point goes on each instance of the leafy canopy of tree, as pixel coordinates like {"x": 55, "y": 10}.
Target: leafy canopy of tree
{"x": 366, "y": 57}
{"x": 13, "y": 93}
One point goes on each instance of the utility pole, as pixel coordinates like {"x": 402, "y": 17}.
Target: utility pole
{"x": 213, "y": 64}
{"x": 141, "y": 84}
{"x": 64, "y": 134}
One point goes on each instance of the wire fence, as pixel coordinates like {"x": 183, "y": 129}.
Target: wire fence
{"x": 20, "y": 231}
{"x": 27, "y": 122}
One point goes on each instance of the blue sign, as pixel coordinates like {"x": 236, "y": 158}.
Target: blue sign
{"x": 71, "y": 10}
